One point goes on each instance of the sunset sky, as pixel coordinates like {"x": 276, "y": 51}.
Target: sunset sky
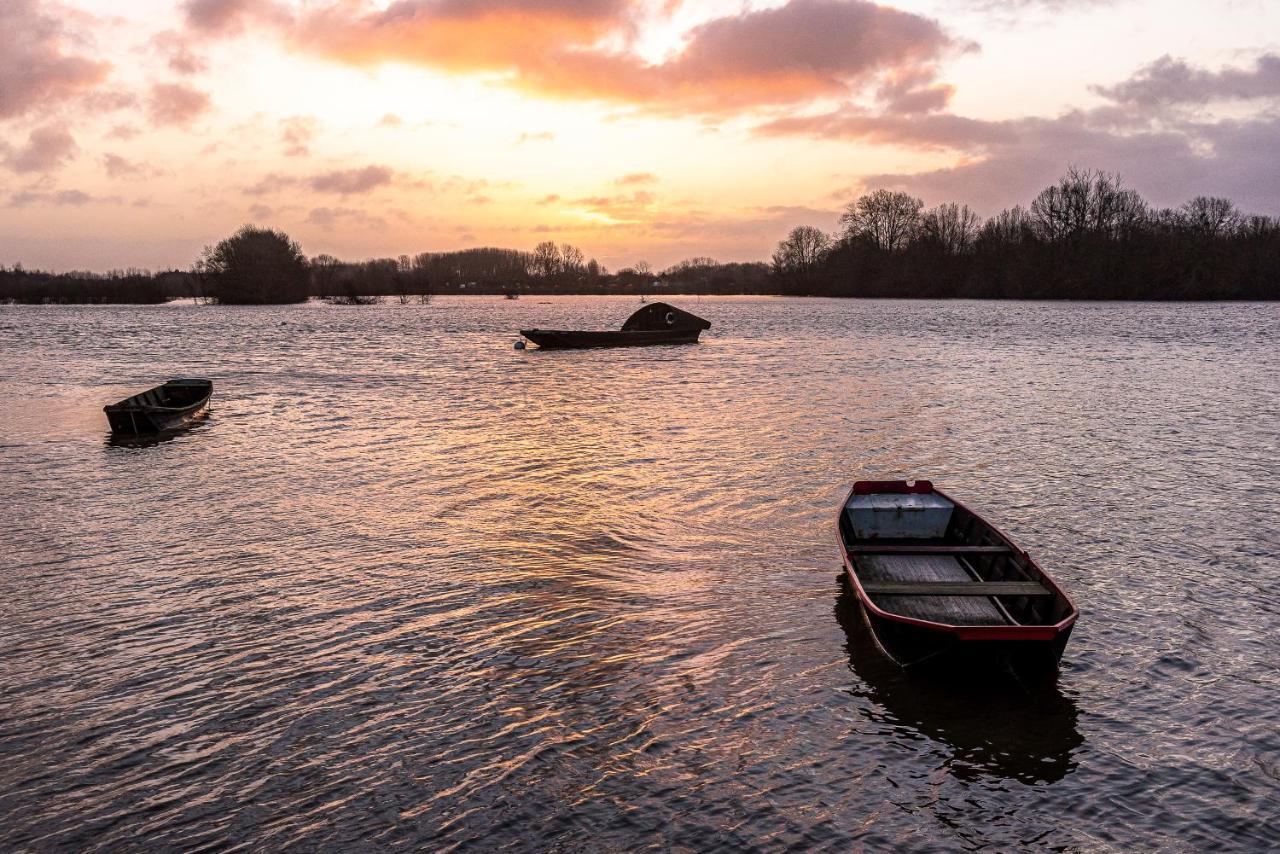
{"x": 134, "y": 133}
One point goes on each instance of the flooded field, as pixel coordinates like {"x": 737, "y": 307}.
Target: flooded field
{"x": 408, "y": 587}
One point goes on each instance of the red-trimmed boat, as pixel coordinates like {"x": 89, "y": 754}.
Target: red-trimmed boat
{"x": 935, "y": 579}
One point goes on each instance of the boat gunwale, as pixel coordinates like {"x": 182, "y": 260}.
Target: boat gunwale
{"x": 1038, "y": 632}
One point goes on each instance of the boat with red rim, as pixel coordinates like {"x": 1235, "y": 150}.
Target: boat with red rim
{"x": 936, "y": 579}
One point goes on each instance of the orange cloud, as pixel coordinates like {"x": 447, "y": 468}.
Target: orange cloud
{"x": 794, "y": 53}
{"x": 636, "y": 178}
{"x": 488, "y": 35}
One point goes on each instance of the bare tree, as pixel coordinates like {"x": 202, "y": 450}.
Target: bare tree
{"x": 571, "y": 259}
{"x": 1085, "y": 202}
{"x": 642, "y": 268}
{"x": 1212, "y": 216}
{"x": 324, "y": 274}
{"x": 546, "y": 259}
{"x": 802, "y": 251}
{"x": 951, "y": 226}
{"x": 1007, "y": 228}
{"x": 887, "y": 219}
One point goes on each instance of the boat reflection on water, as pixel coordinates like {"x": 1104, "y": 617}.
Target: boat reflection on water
{"x": 150, "y": 440}
{"x": 992, "y": 721}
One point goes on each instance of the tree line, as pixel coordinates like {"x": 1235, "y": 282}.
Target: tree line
{"x": 259, "y": 266}
{"x": 1086, "y": 237}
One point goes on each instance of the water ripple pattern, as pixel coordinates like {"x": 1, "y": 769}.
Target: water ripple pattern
{"x": 408, "y": 588}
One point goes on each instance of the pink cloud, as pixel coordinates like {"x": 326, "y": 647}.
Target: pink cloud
{"x": 931, "y": 131}
{"x": 296, "y": 133}
{"x": 176, "y": 104}
{"x": 327, "y": 218}
{"x": 36, "y": 68}
{"x": 271, "y": 183}
{"x": 48, "y": 148}
{"x": 1232, "y": 158}
{"x": 120, "y": 167}
{"x": 178, "y": 53}
{"x": 1169, "y": 81}
{"x": 60, "y": 198}
{"x": 230, "y": 17}
{"x": 351, "y": 181}
{"x": 123, "y": 132}
{"x": 1146, "y": 135}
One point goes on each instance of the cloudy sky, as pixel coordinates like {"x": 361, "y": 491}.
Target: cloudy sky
{"x": 134, "y": 133}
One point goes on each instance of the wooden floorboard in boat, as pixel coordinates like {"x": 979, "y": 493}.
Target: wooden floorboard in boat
{"x": 956, "y": 610}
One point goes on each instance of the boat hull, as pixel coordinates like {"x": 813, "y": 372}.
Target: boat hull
{"x": 560, "y": 339}
{"x": 136, "y": 416}
{"x": 912, "y": 644}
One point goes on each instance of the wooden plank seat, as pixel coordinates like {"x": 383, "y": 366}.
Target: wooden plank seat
{"x": 929, "y": 550}
{"x": 959, "y": 610}
{"x": 956, "y": 588}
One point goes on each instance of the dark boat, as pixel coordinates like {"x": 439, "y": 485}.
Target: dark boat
{"x": 934, "y": 578}
{"x": 171, "y": 406}
{"x": 656, "y": 323}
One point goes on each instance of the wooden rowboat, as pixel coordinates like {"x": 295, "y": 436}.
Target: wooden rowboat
{"x": 656, "y": 323}
{"x": 935, "y": 578}
{"x": 171, "y": 406}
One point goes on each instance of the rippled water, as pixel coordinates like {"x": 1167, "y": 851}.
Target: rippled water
{"x": 408, "y": 587}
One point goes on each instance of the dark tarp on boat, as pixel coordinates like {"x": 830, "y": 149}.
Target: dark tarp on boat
{"x": 660, "y": 315}
{"x": 657, "y": 323}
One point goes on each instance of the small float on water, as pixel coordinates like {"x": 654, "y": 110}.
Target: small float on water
{"x": 935, "y": 578}
{"x": 172, "y": 406}
{"x": 656, "y": 323}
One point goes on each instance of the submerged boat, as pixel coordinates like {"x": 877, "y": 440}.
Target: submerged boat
{"x": 171, "y": 406}
{"x": 934, "y": 578}
{"x": 656, "y": 323}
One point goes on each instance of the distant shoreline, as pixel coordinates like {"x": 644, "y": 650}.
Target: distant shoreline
{"x": 659, "y": 295}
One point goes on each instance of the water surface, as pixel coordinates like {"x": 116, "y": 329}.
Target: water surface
{"x": 408, "y": 587}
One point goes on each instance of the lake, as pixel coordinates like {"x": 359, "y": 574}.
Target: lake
{"x": 408, "y": 587}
